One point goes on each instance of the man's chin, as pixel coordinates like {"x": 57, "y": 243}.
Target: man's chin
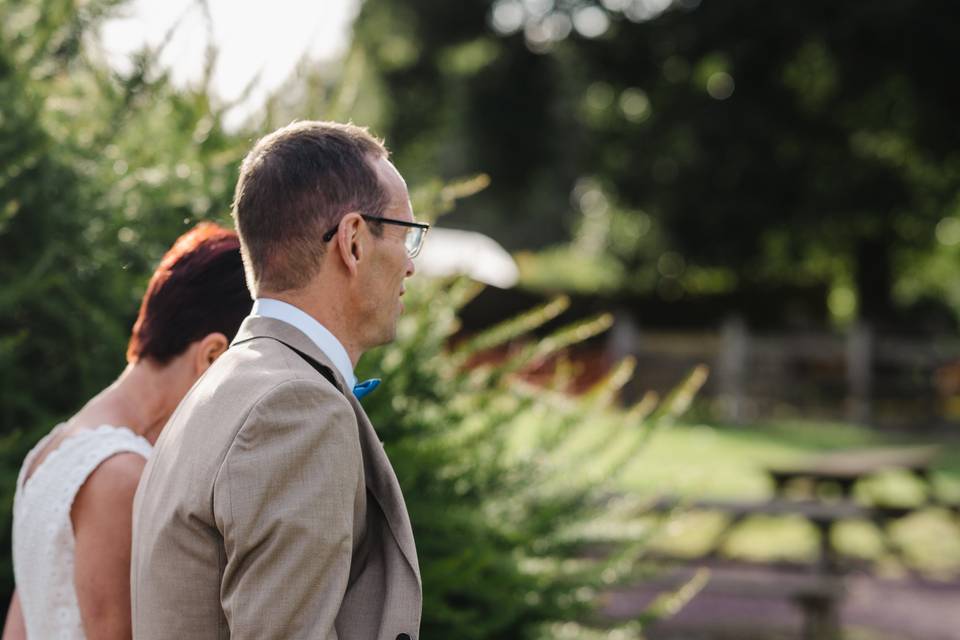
{"x": 386, "y": 337}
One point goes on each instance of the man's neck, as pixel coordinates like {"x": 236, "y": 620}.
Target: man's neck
{"x": 331, "y": 324}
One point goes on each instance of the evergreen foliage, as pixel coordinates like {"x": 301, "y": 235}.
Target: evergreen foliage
{"x": 101, "y": 172}
{"x": 503, "y": 479}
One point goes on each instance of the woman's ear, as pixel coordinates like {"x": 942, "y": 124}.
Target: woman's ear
{"x": 210, "y": 347}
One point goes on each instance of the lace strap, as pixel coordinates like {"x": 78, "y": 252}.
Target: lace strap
{"x": 34, "y": 452}
{"x": 79, "y": 455}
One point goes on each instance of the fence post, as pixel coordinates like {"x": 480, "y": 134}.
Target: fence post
{"x": 624, "y": 337}
{"x": 623, "y": 340}
{"x": 859, "y": 373}
{"x": 731, "y": 367}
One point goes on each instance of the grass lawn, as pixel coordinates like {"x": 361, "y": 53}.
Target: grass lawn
{"x": 718, "y": 461}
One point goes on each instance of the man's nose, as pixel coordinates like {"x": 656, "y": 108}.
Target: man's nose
{"x": 411, "y": 268}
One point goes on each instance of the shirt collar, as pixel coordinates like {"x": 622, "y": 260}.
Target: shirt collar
{"x": 319, "y": 334}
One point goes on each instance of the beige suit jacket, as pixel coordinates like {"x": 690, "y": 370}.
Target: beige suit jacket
{"x": 269, "y": 508}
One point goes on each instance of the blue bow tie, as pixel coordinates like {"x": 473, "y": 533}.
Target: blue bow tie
{"x": 367, "y": 386}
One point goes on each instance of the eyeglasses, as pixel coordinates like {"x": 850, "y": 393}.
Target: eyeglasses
{"x": 416, "y": 232}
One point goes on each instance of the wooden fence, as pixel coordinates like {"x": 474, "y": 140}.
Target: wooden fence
{"x": 859, "y": 376}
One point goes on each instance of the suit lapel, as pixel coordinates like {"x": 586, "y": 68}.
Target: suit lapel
{"x": 379, "y": 476}
{"x": 383, "y": 485}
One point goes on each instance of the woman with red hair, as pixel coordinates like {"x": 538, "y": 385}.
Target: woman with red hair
{"x": 74, "y": 497}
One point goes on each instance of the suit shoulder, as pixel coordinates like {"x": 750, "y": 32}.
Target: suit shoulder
{"x": 255, "y": 370}
{"x": 311, "y": 392}
{"x": 272, "y": 358}
{"x": 296, "y": 418}
{"x": 299, "y": 406}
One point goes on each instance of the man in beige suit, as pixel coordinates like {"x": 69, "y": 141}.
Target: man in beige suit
{"x": 269, "y": 508}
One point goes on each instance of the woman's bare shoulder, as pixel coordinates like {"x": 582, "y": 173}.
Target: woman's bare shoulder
{"x": 109, "y": 489}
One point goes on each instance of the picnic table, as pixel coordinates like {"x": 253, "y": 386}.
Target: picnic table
{"x": 846, "y": 468}
{"x": 819, "y": 596}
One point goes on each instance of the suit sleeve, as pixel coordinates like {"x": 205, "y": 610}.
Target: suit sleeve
{"x": 284, "y": 501}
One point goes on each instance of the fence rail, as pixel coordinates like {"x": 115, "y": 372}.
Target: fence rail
{"x": 860, "y": 375}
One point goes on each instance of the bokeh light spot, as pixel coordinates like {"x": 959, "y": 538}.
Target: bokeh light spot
{"x": 591, "y": 22}
{"x": 538, "y": 8}
{"x": 599, "y": 97}
{"x": 558, "y": 26}
{"x": 643, "y": 10}
{"x": 126, "y": 235}
{"x": 671, "y": 265}
{"x": 842, "y": 303}
{"x": 635, "y": 105}
{"x": 507, "y": 17}
{"x": 593, "y": 202}
{"x": 948, "y": 232}
{"x": 720, "y": 85}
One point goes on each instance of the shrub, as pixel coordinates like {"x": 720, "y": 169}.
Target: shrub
{"x": 502, "y": 479}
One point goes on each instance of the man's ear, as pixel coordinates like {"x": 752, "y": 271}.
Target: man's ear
{"x": 208, "y": 349}
{"x": 350, "y": 235}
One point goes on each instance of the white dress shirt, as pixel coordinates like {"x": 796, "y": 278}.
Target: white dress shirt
{"x": 321, "y": 336}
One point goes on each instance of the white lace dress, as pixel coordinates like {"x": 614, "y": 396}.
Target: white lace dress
{"x": 43, "y": 544}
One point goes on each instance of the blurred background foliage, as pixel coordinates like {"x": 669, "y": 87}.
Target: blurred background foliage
{"x": 630, "y": 149}
{"x": 683, "y": 149}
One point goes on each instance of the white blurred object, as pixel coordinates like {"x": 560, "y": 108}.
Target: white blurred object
{"x": 448, "y": 252}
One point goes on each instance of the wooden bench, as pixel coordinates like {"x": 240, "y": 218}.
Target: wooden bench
{"x": 823, "y": 515}
{"x": 816, "y": 594}
{"x": 819, "y": 590}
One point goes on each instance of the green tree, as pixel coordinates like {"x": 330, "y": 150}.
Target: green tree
{"x": 101, "y": 172}
{"x": 773, "y": 145}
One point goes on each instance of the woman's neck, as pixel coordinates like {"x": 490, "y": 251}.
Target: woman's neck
{"x": 140, "y": 400}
